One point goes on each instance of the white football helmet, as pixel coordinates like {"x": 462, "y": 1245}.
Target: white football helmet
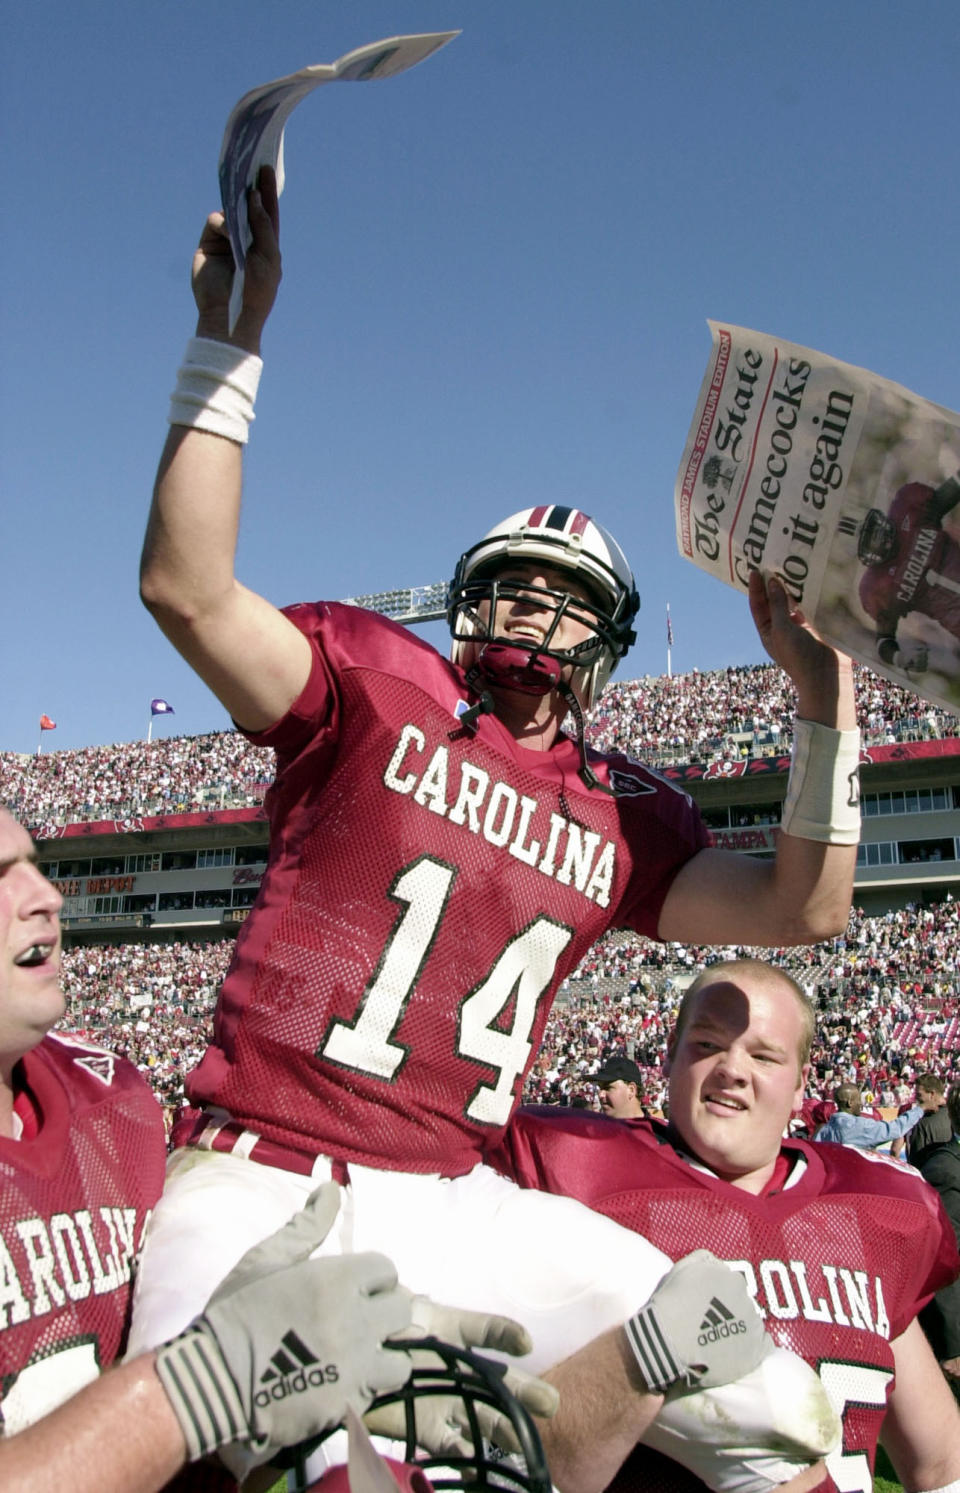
{"x": 565, "y": 538}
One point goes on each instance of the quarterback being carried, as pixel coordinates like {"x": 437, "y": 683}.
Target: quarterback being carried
{"x": 442, "y": 854}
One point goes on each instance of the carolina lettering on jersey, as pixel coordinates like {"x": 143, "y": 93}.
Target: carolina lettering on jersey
{"x": 75, "y": 1200}
{"x": 916, "y": 566}
{"x": 840, "y": 1261}
{"x": 428, "y": 887}
{"x": 45, "y": 1262}
{"x": 785, "y": 1289}
{"x": 557, "y": 846}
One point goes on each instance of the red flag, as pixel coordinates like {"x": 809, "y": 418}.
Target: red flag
{"x": 46, "y": 724}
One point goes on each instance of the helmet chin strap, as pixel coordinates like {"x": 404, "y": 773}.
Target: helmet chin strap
{"x": 528, "y": 674}
{"x": 586, "y": 771}
{"x": 484, "y": 705}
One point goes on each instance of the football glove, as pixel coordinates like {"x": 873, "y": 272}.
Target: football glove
{"x": 699, "y": 1328}
{"x": 442, "y": 1424}
{"x": 286, "y": 1342}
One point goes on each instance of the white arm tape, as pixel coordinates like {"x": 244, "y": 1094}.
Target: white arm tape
{"x": 823, "y": 793}
{"x": 953, "y": 1487}
{"x": 216, "y": 388}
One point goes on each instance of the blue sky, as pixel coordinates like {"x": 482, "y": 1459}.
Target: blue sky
{"x": 497, "y": 273}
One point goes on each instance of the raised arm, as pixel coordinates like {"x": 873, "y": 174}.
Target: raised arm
{"x": 804, "y": 893}
{"x": 254, "y": 659}
{"x": 896, "y": 1128}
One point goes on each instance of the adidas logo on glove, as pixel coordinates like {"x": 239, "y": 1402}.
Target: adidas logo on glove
{"x": 671, "y": 1349}
{"x": 718, "y": 1323}
{"x": 293, "y": 1369}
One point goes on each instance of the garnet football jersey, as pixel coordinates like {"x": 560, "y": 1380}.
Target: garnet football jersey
{"x": 428, "y": 887}
{"x": 840, "y": 1261}
{"x": 75, "y": 1198}
{"x": 924, "y": 576}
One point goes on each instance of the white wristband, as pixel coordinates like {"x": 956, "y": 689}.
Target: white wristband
{"x": 823, "y": 793}
{"x": 216, "y": 388}
{"x": 952, "y": 1487}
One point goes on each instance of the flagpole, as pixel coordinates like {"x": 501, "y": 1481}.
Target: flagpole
{"x": 158, "y": 707}
{"x": 669, "y": 643}
{"x": 46, "y": 724}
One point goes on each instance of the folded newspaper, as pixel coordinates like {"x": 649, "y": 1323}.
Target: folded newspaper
{"x": 843, "y": 484}
{"x": 254, "y": 132}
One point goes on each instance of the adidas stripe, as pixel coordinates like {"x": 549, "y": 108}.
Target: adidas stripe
{"x": 655, "y": 1358}
{"x": 202, "y": 1393}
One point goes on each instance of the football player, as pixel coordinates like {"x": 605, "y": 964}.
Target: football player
{"x": 82, "y": 1151}
{"x": 442, "y": 854}
{"x": 840, "y": 1248}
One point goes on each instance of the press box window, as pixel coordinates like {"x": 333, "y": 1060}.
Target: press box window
{"x": 208, "y": 858}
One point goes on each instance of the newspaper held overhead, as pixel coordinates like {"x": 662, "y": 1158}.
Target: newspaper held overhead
{"x": 843, "y": 484}
{"x": 254, "y": 133}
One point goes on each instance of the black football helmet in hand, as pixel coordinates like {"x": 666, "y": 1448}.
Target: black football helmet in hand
{"x": 477, "y": 1384}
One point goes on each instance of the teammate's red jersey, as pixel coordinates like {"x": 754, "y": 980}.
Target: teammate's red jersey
{"x": 839, "y": 1260}
{"x": 428, "y": 887}
{"x": 925, "y": 574}
{"x": 76, "y": 1191}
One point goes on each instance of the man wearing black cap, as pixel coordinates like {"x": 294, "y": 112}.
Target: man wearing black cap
{"x": 621, "y": 1089}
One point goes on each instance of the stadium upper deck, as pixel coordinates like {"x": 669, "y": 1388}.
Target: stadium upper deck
{"x": 170, "y": 835}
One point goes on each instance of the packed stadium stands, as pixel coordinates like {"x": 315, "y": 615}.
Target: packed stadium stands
{"x": 134, "y": 778}
{"x": 658, "y": 719}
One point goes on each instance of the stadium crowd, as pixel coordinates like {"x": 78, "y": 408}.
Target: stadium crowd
{"x": 658, "y": 719}
{"x": 887, "y": 993}
{"x": 675, "y": 719}
{"x": 136, "y": 778}
{"x": 151, "y": 1003}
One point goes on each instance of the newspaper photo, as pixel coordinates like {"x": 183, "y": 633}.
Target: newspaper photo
{"x": 843, "y": 484}
{"x": 254, "y": 132}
